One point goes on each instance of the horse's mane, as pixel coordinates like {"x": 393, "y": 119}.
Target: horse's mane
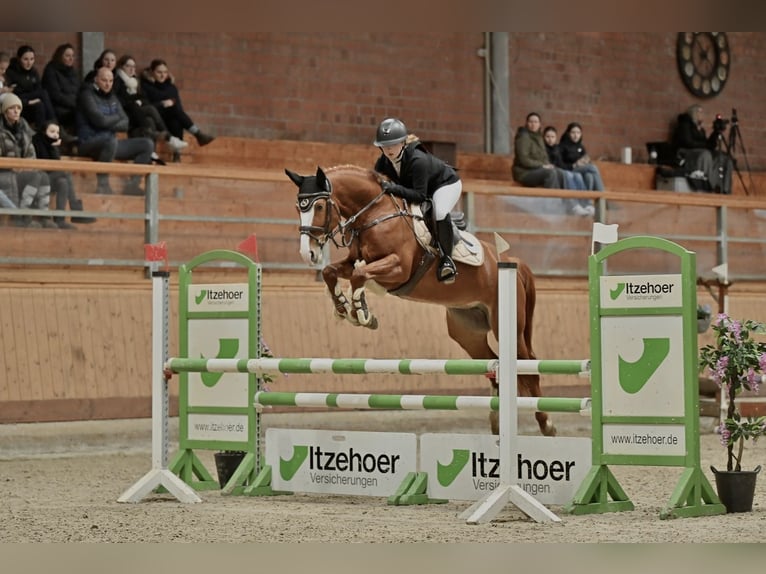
{"x": 356, "y": 170}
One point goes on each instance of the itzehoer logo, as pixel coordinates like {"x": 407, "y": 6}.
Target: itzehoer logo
{"x": 227, "y": 349}
{"x": 326, "y": 466}
{"x": 641, "y": 291}
{"x": 633, "y": 375}
{"x": 485, "y": 471}
{"x": 219, "y": 296}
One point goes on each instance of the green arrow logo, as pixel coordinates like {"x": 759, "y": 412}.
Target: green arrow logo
{"x": 634, "y": 375}
{"x": 447, "y": 473}
{"x": 288, "y": 468}
{"x": 614, "y": 293}
{"x": 227, "y": 349}
{"x": 201, "y": 297}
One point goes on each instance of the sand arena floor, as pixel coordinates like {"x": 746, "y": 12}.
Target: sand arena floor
{"x": 59, "y": 482}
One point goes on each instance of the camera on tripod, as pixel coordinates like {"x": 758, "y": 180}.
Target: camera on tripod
{"x": 720, "y": 123}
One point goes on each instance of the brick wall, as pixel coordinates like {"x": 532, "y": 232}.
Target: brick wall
{"x": 334, "y": 87}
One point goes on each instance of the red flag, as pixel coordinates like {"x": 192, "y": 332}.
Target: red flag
{"x": 156, "y": 252}
{"x": 249, "y": 247}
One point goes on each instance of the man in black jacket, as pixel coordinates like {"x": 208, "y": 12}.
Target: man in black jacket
{"x": 703, "y": 162}
{"x": 99, "y": 118}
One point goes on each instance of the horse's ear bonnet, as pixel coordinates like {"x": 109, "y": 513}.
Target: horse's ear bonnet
{"x": 296, "y": 179}
{"x": 322, "y": 182}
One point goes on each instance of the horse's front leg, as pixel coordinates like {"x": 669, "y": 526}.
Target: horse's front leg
{"x": 331, "y": 273}
{"x": 387, "y": 267}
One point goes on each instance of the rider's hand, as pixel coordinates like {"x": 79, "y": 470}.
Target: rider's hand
{"x": 387, "y": 186}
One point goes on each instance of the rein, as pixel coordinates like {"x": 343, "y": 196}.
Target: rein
{"x": 343, "y": 230}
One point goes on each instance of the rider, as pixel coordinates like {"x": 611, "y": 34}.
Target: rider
{"x": 416, "y": 175}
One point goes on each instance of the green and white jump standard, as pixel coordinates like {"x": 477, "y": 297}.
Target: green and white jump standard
{"x": 644, "y": 377}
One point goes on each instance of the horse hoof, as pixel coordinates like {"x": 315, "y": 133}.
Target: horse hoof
{"x": 373, "y": 323}
{"x": 550, "y": 430}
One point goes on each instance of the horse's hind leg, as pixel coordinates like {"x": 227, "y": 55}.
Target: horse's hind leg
{"x": 469, "y": 328}
{"x": 529, "y": 386}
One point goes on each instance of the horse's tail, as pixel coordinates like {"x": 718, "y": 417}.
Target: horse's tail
{"x": 528, "y": 280}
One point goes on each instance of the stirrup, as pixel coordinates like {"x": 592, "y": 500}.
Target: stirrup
{"x": 446, "y": 272}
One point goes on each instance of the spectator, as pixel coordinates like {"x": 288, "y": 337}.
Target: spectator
{"x": 531, "y": 166}
{"x": 106, "y": 59}
{"x": 573, "y": 153}
{"x": 417, "y": 176}
{"x": 47, "y": 144}
{"x": 99, "y": 118}
{"x": 22, "y": 75}
{"x": 572, "y": 180}
{"x": 5, "y": 59}
{"x": 702, "y": 162}
{"x": 16, "y": 141}
{"x": 159, "y": 89}
{"x": 143, "y": 118}
{"x": 62, "y": 82}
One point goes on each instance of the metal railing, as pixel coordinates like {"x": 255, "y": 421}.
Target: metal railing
{"x": 721, "y": 229}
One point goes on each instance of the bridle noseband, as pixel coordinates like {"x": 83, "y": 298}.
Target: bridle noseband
{"x": 347, "y": 234}
{"x": 305, "y": 203}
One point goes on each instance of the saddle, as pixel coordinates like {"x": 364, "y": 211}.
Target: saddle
{"x": 466, "y": 247}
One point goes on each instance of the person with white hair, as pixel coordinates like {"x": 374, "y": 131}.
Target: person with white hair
{"x": 29, "y": 188}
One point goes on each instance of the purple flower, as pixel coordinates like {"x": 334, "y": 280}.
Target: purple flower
{"x": 736, "y": 330}
{"x": 718, "y": 374}
{"x": 762, "y": 362}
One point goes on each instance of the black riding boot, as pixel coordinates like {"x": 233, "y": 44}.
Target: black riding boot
{"x": 446, "y": 271}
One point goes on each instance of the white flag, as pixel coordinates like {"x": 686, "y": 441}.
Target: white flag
{"x": 501, "y": 244}
{"x": 722, "y": 271}
{"x": 604, "y": 234}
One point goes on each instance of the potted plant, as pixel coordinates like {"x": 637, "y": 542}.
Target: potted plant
{"x": 736, "y": 362}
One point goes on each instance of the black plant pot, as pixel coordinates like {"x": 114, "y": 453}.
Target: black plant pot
{"x": 736, "y": 489}
{"x": 226, "y": 463}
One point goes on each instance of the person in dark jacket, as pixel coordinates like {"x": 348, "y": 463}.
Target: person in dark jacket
{"x": 531, "y": 166}
{"x": 573, "y": 153}
{"x": 47, "y": 144}
{"x": 160, "y": 90}
{"x": 702, "y": 161}
{"x": 30, "y": 188}
{"x": 416, "y": 175}
{"x": 144, "y": 118}
{"x": 572, "y": 179}
{"x": 62, "y": 82}
{"x": 22, "y": 75}
{"x": 99, "y": 117}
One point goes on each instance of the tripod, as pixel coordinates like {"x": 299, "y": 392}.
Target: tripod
{"x": 729, "y": 147}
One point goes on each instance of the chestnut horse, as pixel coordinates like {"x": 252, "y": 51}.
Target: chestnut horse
{"x": 347, "y": 205}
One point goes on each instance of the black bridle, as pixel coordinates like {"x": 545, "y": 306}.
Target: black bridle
{"x": 347, "y": 233}
{"x": 305, "y": 203}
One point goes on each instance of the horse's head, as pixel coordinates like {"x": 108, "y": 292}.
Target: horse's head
{"x": 315, "y": 207}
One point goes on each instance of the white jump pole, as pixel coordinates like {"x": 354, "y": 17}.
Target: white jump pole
{"x": 159, "y": 475}
{"x": 485, "y": 509}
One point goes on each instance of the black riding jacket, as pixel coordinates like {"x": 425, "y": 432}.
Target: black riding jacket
{"x": 420, "y": 175}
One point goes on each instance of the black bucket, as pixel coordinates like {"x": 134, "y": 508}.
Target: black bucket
{"x": 226, "y": 463}
{"x": 736, "y": 488}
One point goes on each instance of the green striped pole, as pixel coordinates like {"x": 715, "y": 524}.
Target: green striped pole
{"x": 368, "y": 366}
{"x": 417, "y": 402}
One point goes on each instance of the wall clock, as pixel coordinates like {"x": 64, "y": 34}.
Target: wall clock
{"x": 703, "y": 62}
